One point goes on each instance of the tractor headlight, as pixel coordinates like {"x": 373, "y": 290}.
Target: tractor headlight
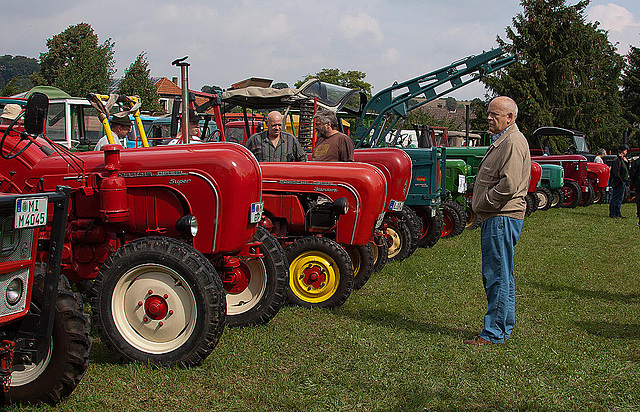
{"x": 14, "y": 291}
{"x": 341, "y": 205}
{"x": 187, "y": 225}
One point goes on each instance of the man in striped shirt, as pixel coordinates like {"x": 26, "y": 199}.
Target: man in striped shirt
{"x": 274, "y": 145}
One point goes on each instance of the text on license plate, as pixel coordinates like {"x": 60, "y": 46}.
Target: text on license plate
{"x": 30, "y": 212}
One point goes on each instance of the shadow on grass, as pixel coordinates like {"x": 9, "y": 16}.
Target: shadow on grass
{"x": 394, "y": 320}
{"x": 611, "y": 330}
{"x": 593, "y": 294}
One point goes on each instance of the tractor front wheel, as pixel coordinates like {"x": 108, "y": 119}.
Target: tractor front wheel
{"x": 557, "y": 197}
{"x": 454, "y": 217}
{"x": 362, "y": 259}
{"x": 320, "y": 273}
{"x": 544, "y": 198}
{"x": 256, "y": 288}
{"x": 380, "y": 254}
{"x": 432, "y": 223}
{"x": 62, "y": 359}
{"x": 158, "y": 300}
{"x": 572, "y": 194}
{"x": 588, "y": 197}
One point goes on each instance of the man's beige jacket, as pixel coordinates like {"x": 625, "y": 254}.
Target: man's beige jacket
{"x": 503, "y": 177}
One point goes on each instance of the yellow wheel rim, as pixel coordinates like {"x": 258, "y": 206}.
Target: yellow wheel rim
{"x": 314, "y": 276}
{"x": 355, "y": 259}
{"x": 396, "y": 242}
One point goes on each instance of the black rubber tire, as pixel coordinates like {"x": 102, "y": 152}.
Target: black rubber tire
{"x": 162, "y": 264}
{"x": 415, "y": 227}
{"x": 599, "y": 196}
{"x": 362, "y": 259}
{"x": 588, "y": 198}
{"x": 531, "y": 200}
{"x": 572, "y": 194}
{"x": 431, "y": 225}
{"x": 544, "y": 198}
{"x": 56, "y": 376}
{"x": 557, "y": 197}
{"x": 380, "y": 255}
{"x": 268, "y": 276}
{"x": 457, "y": 218}
{"x": 473, "y": 221}
{"x": 313, "y": 255}
{"x": 399, "y": 231}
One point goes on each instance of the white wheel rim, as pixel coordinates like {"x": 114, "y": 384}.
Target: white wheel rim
{"x": 243, "y": 301}
{"x": 24, "y": 374}
{"x": 142, "y": 331}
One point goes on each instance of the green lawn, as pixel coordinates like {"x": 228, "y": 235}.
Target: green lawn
{"x": 397, "y": 343}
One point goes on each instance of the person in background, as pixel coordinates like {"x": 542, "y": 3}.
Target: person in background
{"x": 332, "y": 145}
{"x": 618, "y": 181}
{"x": 274, "y": 145}
{"x": 194, "y": 130}
{"x": 501, "y": 184}
{"x": 9, "y": 113}
{"x": 634, "y": 178}
{"x": 598, "y": 158}
{"x": 120, "y": 127}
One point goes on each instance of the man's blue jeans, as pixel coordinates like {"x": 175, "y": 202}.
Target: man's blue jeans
{"x": 498, "y": 237}
{"x": 616, "y": 200}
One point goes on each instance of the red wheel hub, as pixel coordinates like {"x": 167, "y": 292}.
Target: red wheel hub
{"x": 236, "y": 276}
{"x": 314, "y": 276}
{"x": 156, "y": 307}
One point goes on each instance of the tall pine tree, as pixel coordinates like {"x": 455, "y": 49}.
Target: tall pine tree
{"x": 631, "y": 92}
{"x": 567, "y": 74}
{"x": 137, "y": 82}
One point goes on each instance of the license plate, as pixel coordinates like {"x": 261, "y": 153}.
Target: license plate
{"x": 256, "y": 211}
{"x": 462, "y": 184}
{"x": 396, "y": 206}
{"x": 30, "y": 212}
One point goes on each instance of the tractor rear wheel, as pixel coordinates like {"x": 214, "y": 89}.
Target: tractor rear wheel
{"x": 258, "y": 290}
{"x": 158, "y": 300}
{"x": 431, "y": 225}
{"x": 454, "y": 218}
{"x": 572, "y": 194}
{"x": 362, "y": 259}
{"x": 62, "y": 359}
{"x": 544, "y": 198}
{"x": 588, "y": 198}
{"x": 320, "y": 273}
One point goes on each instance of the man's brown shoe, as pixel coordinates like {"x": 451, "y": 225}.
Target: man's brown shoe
{"x": 477, "y": 341}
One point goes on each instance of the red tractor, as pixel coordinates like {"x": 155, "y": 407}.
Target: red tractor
{"x": 163, "y": 234}
{"x": 45, "y": 344}
{"x": 564, "y": 144}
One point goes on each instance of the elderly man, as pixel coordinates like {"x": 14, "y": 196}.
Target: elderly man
{"x": 274, "y": 145}
{"x": 498, "y": 199}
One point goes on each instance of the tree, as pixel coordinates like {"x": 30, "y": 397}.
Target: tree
{"x": 137, "y": 82}
{"x": 352, "y": 79}
{"x": 17, "y": 69}
{"x": 567, "y": 74}
{"x": 280, "y": 85}
{"x": 76, "y": 63}
{"x": 451, "y": 104}
{"x": 631, "y": 89}
{"x": 211, "y": 89}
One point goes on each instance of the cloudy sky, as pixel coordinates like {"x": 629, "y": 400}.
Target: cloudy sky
{"x": 285, "y": 40}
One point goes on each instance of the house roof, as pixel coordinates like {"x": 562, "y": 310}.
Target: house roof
{"x": 166, "y": 86}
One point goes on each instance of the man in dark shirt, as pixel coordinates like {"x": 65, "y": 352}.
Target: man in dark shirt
{"x": 332, "y": 146}
{"x": 274, "y": 145}
{"x": 618, "y": 181}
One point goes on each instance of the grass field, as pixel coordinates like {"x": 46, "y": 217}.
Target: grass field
{"x": 396, "y": 345}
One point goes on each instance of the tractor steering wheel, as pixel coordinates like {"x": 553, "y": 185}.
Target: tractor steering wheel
{"x": 9, "y": 154}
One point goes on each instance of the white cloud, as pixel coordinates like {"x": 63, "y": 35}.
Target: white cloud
{"x": 361, "y": 27}
{"x": 612, "y": 17}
